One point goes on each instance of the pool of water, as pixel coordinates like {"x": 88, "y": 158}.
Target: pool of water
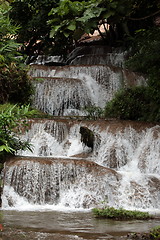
{"x": 56, "y": 225}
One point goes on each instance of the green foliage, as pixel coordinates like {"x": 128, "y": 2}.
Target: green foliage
{"x": 8, "y": 45}
{"x": 12, "y": 121}
{"x": 15, "y": 84}
{"x": 131, "y": 103}
{"x": 32, "y": 17}
{"x": 65, "y": 21}
{"x": 75, "y": 18}
{"x": 155, "y": 233}
{"x": 145, "y": 58}
{"x": 119, "y": 214}
{"x": 71, "y": 19}
{"x": 93, "y": 112}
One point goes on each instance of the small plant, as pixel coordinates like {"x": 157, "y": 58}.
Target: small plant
{"x": 119, "y": 214}
{"x": 12, "y": 119}
{"x": 93, "y": 112}
{"x": 155, "y": 233}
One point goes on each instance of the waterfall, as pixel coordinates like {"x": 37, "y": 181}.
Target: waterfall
{"x": 68, "y": 90}
{"x": 109, "y": 59}
{"x": 89, "y": 55}
{"x": 54, "y": 138}
{"x": 128, "y": 151}
{"x": 66, "y": 183}
{"x": 62, "y": 96}
{"x": 77, "y": 163}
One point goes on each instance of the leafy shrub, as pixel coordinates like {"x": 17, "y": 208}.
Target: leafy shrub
{"x": 93, "y": 112}
{"x": 131, "y": 103}
{"x": 15, "y": 85}
{"x": 119, "y": 214}
{"x": 8, "y": 31}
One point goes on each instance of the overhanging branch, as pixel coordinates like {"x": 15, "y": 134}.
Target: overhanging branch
{"x": 143, "y": 18}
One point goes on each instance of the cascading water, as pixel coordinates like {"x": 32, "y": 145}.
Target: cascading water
{"x": 89, "y": 55}
{"x": 62, "y": 96}
{"x": 57, "y": 182}
{"x": 129, "y": 154}
{"x": 68, "y": 90}
{"x": 54, "y": 138}
{"x": 114, "y": 161}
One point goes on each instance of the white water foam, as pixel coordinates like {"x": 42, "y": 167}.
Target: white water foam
{"x": 59, "y": 96}
{"x": 61, "y": 183}
{"x": 51, "y": 138}
{"x": 22, "y": 204}
{"x": 134, "y": 154}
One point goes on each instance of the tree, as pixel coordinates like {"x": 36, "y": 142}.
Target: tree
{"x": 55, "y": 26}
{"x": 145, "y": 58}
{"x": 71, "y": 19}
{"x": 32, "y": 17}
{"x": 8, "y": 45}
{"x": 15, "y": 84}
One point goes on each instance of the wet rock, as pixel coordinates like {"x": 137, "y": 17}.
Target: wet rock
{"x": 87, "y": 137}
{"x": 113, "y": 158}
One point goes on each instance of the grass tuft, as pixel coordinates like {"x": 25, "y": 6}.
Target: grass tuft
{"x": 120, "y": 214}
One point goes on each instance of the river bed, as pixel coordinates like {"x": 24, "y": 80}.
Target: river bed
{"x": 57, "y": 225}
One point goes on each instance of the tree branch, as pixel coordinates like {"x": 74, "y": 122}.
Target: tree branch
{"x": 143, "y": 18}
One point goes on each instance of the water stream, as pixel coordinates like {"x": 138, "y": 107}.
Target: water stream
{"x": 57, "y": 225}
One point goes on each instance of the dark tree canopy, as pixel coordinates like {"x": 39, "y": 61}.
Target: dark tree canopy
{"x": 71, "y": 19}
{"x": 32, "y": 17}
{"x": 50, "y": 24}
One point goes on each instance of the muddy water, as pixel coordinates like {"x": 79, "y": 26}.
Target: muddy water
{"x": 52, "y": 225}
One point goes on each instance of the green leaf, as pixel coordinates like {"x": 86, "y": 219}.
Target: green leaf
{"x": 66, "y": 34}
{"x": 6, "y": 149}
{"x": 78, "y": 33}
{"x": 113, "y": 4}
{"x": 2, "y": 59}
{"x": 108, "y": 14}
{"x": 72, "y": 26}
{"x": 77, "y": 7}
{"x": 54, "y": 31}
{"x": 91, "y": 13}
